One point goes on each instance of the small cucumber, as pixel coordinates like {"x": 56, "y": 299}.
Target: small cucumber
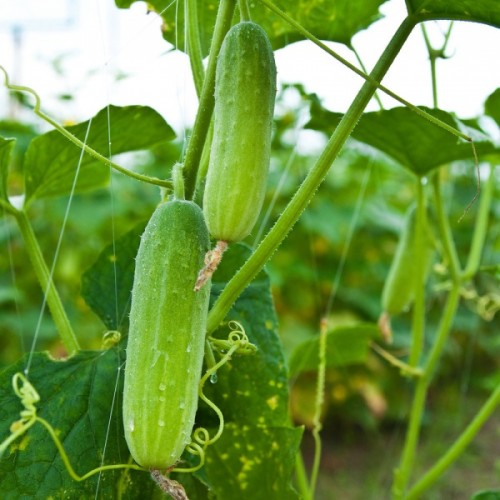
{"x": 166, "y": 337}
{"x": 399, "y": 287}
{"x": 245, "y": 91}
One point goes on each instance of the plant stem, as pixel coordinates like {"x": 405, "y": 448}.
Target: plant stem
{"x": 193, "y": 43}
{"x": 244, "y": 10}
{"x": 418, "y": 314}
{"x": 481, "y": 226}
{"x": 432, "y": 61}
{"x": 44, "y": 278}
{"x": 204, "y": 162}
{"x": 402, "y": 475}
{"x": 206, "y": 106}
{"x": 318, "y": 407}
{"x": 310, "y": 184}
{"x": 457, "y": 448}
{"x": 434, "y": 55}
{"x": 404, "y": 368}
{"x": 301, "y": 477}
{"x": 445, "y": 230}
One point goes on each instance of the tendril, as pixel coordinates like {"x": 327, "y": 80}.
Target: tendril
{"x": 110, "y": 339}
{"x": 29, "y": 396}
{"x": 237, "y": 342}
{"x": 237, "y": 337}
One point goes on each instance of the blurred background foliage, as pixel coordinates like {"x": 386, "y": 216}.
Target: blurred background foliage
{"x": 314, "y": 275}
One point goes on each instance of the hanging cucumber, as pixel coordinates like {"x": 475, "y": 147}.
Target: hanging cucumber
{"x": 245, "y": 91}
{"x": 399, "y": 287}
{"x": 166, "y": 337}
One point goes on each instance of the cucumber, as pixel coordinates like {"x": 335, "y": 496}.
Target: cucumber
{"x": 245, "y": 91}
{"x": 399, "y": 287}
{"x": 166, "y": 337}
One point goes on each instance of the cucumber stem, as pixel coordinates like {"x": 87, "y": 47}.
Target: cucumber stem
{"x": 318, "y": 406}
{"x": 206, "y": 106}
{"x": 418, "y": 313}
{"x": 178, "y": 179}
{"x": 244, "y": 10}
{"x": 193, "y": 43}
{"x": 310, "y": 184}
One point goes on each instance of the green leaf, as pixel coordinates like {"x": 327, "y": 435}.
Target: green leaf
{"x": 415, "y": 143}
{"x": 480, "y": 11}
{"x": 486, "y": 495}
{"x": 253, "y": 462}
{"x": 107, "y": 284}
{"x": 492, "y": 106}
{"x": 334, "y": 20}
{"x": 6, "y": 146}
{"x": 81, "y": 399}
{"x": 346, "y": 345}
{"x": 51, "y": 160}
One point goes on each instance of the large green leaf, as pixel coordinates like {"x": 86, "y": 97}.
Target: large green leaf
{"x": 6, "y": 146}
{"x": 414, "y": 142}
{"x": 51, "y": 160}
{"x": 345, "y": 346}
{"x": 335, "y": 20}
{"x": 81, "y": 399}
{"x": 481, "y": 11}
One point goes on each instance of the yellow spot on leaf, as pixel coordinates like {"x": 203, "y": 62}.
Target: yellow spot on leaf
{"x": 272, "y": 402}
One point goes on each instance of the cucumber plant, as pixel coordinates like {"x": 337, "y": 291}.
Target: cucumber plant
{"x": 171, "y": 325}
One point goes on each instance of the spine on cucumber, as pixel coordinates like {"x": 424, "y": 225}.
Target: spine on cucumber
{"x": 166, "y": 337}
{"x": 245, "y": 91}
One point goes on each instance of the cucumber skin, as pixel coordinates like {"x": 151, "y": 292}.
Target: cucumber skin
{"x": 166, "y": 336}
{"x": 245, "y": 92}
